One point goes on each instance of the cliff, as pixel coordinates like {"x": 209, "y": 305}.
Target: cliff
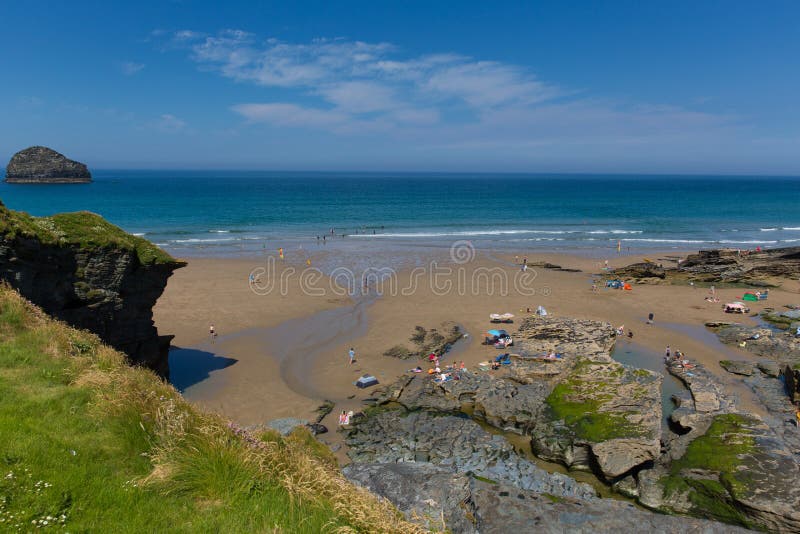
{"x": 42, "y": 165}
{"x": 83, "y": 270}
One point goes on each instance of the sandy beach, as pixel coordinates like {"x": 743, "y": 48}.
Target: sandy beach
{"x": 280, "y": 354}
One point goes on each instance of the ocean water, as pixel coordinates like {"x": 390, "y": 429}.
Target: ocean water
{"x": 194, "y": 213}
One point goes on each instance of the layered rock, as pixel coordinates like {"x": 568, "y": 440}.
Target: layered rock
{"x": 42, "y": 165}
{"x": 728, "y": 465}
{"x": 779, "y": 346}
{"x": 91, "y": 274}
{"x": 730, "y": 265}
{"x": 641, "y": 271}
{"x": 441, "y": 500}
{"x": 456, "y": 442}
{"x": 584, "y": 409}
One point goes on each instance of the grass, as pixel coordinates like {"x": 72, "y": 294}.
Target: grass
{"x": 721, "y": 452}
{"x": 579, "y": 401}
{"x": 82, "y": 229}
{"x": 90, "y": 444}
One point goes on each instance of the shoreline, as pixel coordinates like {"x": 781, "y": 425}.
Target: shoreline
{"x": 260, "y": 382}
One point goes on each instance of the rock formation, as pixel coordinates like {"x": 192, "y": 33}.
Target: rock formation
{"x": 91, "y": 274}
{"x": 730, "y": 265}
{"x": 446, "y": 501}
{"x": 42, "y": 165}
{"x": 641, "y": 271}
{"x": 728, "y": 465}
{"x": 764, "y": 268}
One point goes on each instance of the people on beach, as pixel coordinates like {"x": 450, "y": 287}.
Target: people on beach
{"x": 352, "y": 355}
{"x": 212, "y": 332}
{"x": 650, "y": 318}
{"x": 667, "y": 353}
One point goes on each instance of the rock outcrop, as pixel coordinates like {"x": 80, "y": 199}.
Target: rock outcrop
{"x": 641, "y": 271}
{"x": 459, "y": 443}
{"x": 83, "y": 270}
{"x": 583, "y": 409}
{"x": 42, "y": 165}
{"x": 731, "y": 265}
{"x": 441, "y": 500}
{"x": 726, "y": 464}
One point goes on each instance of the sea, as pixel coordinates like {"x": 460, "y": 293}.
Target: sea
{"x": 221, "y": 213}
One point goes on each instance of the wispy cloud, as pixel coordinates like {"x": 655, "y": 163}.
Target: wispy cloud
{"x": 129, "y": 68}
{"x": 169, "y": 123}
{"x": 438, "y": 99}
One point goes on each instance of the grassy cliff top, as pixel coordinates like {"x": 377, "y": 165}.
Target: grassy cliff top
{"x": 82, "y": 229}
{"x": 88, "y": 443}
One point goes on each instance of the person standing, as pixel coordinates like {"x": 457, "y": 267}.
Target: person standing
{"x": 667, "y": 353}
{"x": 212, "y": 332}
{"x": 352, "y": 355}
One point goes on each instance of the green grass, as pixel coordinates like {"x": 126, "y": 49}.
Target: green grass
{"x": 82, "y": 229}
{"x": 579, "y": 402}
{"x": 89, "y": 444}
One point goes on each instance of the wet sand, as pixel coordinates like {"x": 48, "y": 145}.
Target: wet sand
{"x": 281, "y": 355}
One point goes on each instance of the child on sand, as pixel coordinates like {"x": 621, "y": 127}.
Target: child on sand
{"x": 212, "y": 333}
{"x": 352, "y": 354}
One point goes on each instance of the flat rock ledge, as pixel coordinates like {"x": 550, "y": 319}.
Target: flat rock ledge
{"x": 442, "y": 500}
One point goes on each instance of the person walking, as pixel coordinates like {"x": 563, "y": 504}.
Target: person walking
{"x": 352, "y": 354}
{"x": 212, "y": 332}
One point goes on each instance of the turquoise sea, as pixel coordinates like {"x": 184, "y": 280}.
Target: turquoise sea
{"x": 237, "y": 213}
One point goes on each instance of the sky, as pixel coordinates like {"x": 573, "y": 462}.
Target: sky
{"x": 690, "y": 87}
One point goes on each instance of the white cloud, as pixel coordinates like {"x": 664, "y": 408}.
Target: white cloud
{"x": 433, "y": 100}
{"x": 129, "y": 68}
{"x": 170, "y": 123}
{"x": 291, "y": 115}
{"x": 360, "y": 96}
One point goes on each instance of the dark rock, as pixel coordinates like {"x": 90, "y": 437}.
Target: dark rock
{"x": 317, "y": 428}
{"x": 731, "y": 265}
{"x": 91, "y": 275}
{"x": 638, "y": 271}
{"x": 769, "y": 368}
{"x": 42, "y": 165}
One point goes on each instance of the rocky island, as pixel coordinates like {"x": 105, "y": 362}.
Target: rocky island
{"x": 42, "y": 165}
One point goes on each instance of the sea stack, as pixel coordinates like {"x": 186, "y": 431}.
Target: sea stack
{"x": 42, "y": 165}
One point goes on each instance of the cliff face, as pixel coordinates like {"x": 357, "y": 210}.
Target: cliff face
{"x": 89, "y": 273}
{"x": 42, "y": 165}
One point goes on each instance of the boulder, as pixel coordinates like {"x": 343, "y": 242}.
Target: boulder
{"x": 42, "y": 165}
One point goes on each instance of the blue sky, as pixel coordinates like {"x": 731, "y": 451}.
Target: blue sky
{"x": 622, "y": 86}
